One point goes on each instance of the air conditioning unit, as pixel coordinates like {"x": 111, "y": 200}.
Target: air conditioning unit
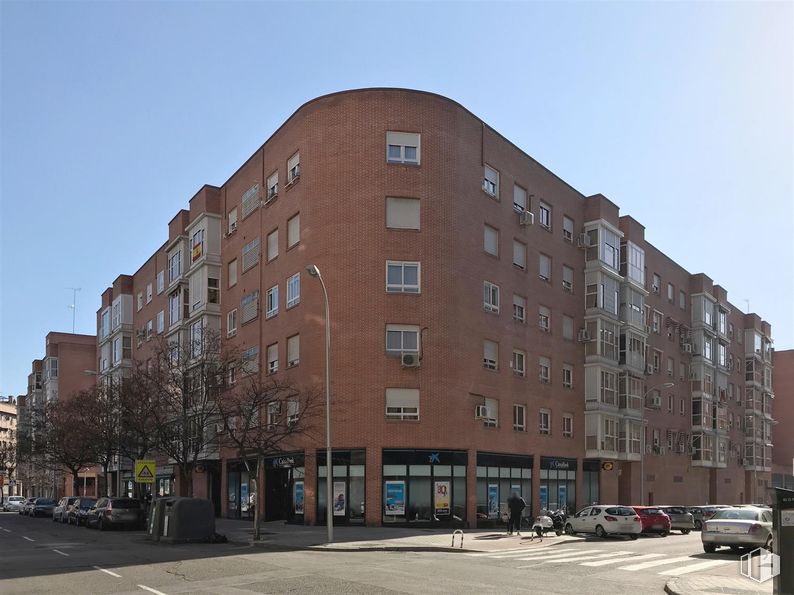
{"x": 655, "y": 402}
{"x": 583, "y": 241}
{"x": 526, "y": 218}
{"x": 482, "y": 412}
{"x": 584, "y": 335}
{"x": 686, "y": 347}
{"x": 649, "y": 369}
{"x": 409, "y": 359}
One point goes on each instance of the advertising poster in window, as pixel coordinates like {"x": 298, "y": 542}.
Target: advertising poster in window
{"x": 442, "y": 494}
{"x": 340, "y": 498}
{"x": 395, "y": 498}
{"x": 493, "y": 501}
{"x": 298, "y": 497}
{"x": 562, "y": 500}
{"x": 544, "y": 497}
{"x": 244, "y": 497}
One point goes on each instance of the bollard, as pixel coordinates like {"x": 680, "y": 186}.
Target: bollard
{"x": 455, "y": 532}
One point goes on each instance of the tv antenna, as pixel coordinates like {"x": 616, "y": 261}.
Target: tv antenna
{"x": 73, "y": 305}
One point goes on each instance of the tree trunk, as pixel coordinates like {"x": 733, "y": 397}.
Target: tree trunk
{"x": 186, "y": 483}
{"x": 258, "y": 498}
{"x": 75, "y": 481}
{"x": 106, "y": 474}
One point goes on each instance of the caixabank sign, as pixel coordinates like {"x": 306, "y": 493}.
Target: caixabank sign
{"x": 760, "y": 565}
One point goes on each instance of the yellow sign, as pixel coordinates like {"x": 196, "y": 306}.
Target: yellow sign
{"x": 144, "y": 471}
{"x": 607, "y": 466}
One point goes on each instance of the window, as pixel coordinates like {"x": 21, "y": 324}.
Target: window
{"x": 293, "y": 351}
{"x": 402, "y": 277}
{"x": 149, "y": 328}
{"x": 491, "y": 240}
{"x": 160, "y": 282}
{"x": 670, "y": 403}
{"x": 544, "y": 421}
{"x": 149, "y": 293}
{"x": 250, "y": 200}
{"x": 610, "y": 248}
{"x": 293, "y": 411}
{"x": 116, "y": 313}
{"x": 519, "y": 255}
{"x": 492, "y": 405}
{"x": 401, "y": 338}
{"x": 231, "y": 323}
{"x": 567, "y": 376}
{"x": 610, "y": 434}
{"x": 567, "y": 327}
{"x": 197, "y": 245}
{"x": 490, "y": 297}
{"x": 567, "y": 228}
{"x": 249, "y": 361}
{"x": 670, "y": 366}
{"x": 126, "y": 346}
{"x": 272, "y": 245}
{"x": 213, "y": 292}
{"x": 544, "y": 367}
{"x": 249, "y": 307}
{"x": 271, "y": 305}
{"x": 403, "y": 147}
{"x": 250, "y": 257}
{"x": 116, "y": 350}
{"x": 520, "y": 418}
{"x": 544, "y": 319}
{"x": 657, "y": 322}
{"x": 196, "y": 338}
{"x": 294, "y": 290}
{"x": 633, "y": 262}
{"x": 567, "y": 278}
{"x": 402, "y": 403}
{"x": 490, "y": 355}
{"x": 402, "y": 213}
{"x": 232, "y": 221}
{"x": 231, "y": 272}
{"x": 272, "y": 186}
{"x": 175, "y": 266}
{"x": 519, "y": 198}
{"x": 490, "y": 181}
{"x": 293, "y": 168}
{"x": 518, "y": 363}
{"x": 293, "y": 231}
{"x": 567, "y": 425}
{"x": 681, "y": 299}
{"x": 544, "y": 267}
{"x": 140, "y": 300}
{"x": 519, "y": 308}
{"x": 161, "y": 321}
{"x": 545, "y": 215}
{"x": 272, "y": 358}
{"x": 174, "y": 309}
{"x": 657, "y": 284}
{"x": 707, "y": 345}
{"x": 670, "y": 292}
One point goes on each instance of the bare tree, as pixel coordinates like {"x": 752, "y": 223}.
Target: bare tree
{"x": 260, "y": 418}
{"x": 8, "y": 458}
{"x": 102, "y": 426}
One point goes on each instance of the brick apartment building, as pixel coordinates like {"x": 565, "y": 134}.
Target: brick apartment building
{"x": 493, "y": 329}
{"x": 65, "y": 370}
{"x": 8, "y": 441}
{"x": 783, "y": 452}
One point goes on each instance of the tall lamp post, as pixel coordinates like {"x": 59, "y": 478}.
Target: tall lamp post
{"x": 315, "y": 272}
{"x": 644, "y": 437}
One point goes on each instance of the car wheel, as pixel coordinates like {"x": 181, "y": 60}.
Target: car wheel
{"x": 665, "y": 533}
{"x": 709, "y": 548}
{"x": 684, "y": 531}
{"x": 769, "y": 545}
{"x": 698, "y": 525}
{"x": 736, "y": 549}
{"x": 600, "y": 531}
{"x": 634, "y": 536}
{"x": 569, "y": 530}
{"x": 102, "y": 525}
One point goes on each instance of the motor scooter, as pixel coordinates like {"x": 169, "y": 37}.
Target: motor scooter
{"x": 547, "y": 522}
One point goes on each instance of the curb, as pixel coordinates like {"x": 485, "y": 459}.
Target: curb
{"x": 671, "y": 587}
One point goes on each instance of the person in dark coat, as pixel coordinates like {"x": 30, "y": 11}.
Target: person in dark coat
{"x": 516, "y": 505}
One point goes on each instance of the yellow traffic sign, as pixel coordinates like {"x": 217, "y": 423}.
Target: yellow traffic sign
{"x": 144, "y": 471}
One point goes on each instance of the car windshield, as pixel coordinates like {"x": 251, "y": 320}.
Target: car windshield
{"x": 44, "y": 502}
{"x": 621, "y": 511}
{"x": 738, "y": 514}
{"x": 652, "y": 511}
{"x": 87, "y": 502}
{"x": 125, "y": 503}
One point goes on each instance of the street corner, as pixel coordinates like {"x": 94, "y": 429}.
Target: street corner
{"x": 707, "y": 585}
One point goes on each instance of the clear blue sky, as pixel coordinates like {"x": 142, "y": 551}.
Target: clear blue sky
{"x": 114, "y": 114}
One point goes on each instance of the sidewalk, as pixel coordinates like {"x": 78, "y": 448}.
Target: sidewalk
{"x": 277, "y": 534}
{"x": 713, "y": 585}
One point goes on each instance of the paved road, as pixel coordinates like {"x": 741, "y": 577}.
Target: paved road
{"x": 39, "y": 556}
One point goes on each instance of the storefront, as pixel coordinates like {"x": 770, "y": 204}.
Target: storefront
{"x": 590, "y": 492}
{"x": 498, "y": 477}
{"x": 348, "y": 486}
{"x": 557, "y": 484}
{"x": 424, "y": 487}
{"x": 283, "y": 496}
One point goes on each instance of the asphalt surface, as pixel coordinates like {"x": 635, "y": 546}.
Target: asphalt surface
{"x": 39, "y": 556}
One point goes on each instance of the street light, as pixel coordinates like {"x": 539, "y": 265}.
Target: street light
{"x": 644, "y": 437}
{"x": 315, "y": 272}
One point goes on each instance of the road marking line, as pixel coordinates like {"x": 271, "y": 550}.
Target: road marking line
{"x": 538, "y": 558}
{"x": 28, "y": 538}
{"x": 108, "y": 572}
{"x": 579, "y": 558}
{"x": 621, "y": 560}
{"x": 517, "y": 549}
{"x": 695, "y": 567}
{"x": 645, "y": 565}
{"x": 59, "y": 552}
{"x": 529, "y": 553}
{"x": 7, "y": 530}
{"x": 155, "y": 591}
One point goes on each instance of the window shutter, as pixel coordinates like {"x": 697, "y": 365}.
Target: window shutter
{"x": 402, "y": 213}
{"x": 249, "y": 306}
{"x": 250, "y": 200}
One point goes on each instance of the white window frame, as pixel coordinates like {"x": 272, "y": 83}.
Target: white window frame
{"x": 567, "y": 376}
{"x": 175, "y": 266}
{"x": 272, "y": 358}
{"x": 520, "y": 308}
{"x": 271, "y": 302}
{"x": 567, "y": 228}
{"x": 490, "y": 297}
{"x": 149, "y": 293}
{"x": 487, "y": 362}
{"x": 231, "y": 323}
{"x": 519, "y": 198}
{"x": 403, "y": 287}
{"x": 293, "y": 351}
{"x": 293, "y": 290}
{"x": 544, "y": 422}
{"x": 567, "y": 425}
{"x": 544, "y": 369}
{"x": 519, "y": 417}
{"x": 567, "y": 278}
{"x": 231, "y": 225}
{"x": 160, "y": 282}
{"x": 544, "y": 319}
{"x": 544, "y": 215}
{"x": 402, "y": 406}
{"x": 272, "y": 186}
{"x": 161, "y": 321}
{"x": 403, "y": 330}
{"x": 403, "y": 140}
{"x": 490, "y": 181}
{"x": 293, "y": 168}
{"x": 519, "y": 363}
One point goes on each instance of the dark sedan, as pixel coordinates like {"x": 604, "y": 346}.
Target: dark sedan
{"x": 78, "y": 511}
{"x": 115, "y": 512}
{"x": 43, "y": 507}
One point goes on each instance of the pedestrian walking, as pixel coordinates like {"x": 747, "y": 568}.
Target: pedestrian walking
{"x": 516, "y": 505}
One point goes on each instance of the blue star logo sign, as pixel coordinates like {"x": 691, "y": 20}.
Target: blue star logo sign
{"x": 434, "y": 458}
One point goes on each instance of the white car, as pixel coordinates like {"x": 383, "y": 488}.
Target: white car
{"x": 13, "y": 503}
{"x": 605, "y": 519}
{"x": 737, "y": 528}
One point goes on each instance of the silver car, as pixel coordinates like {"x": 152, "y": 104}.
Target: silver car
{"x": 680, "y": 518}
{"x": 13, "y": 503}
{"x": 737, "y": 528}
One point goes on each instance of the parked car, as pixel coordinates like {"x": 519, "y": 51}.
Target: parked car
{"x": 25, "y": 508}
{"x": 60, "y": 511}
{"x": 77, "y": 512}
{"x": 704, "y": 513}
{"x": 110, "y": 512}
{"x": 43, "y": 507}
{"x": 653, "y": 519}
{"x": 13, "y": 503}
{"x": 680, "y": 518}
{"x": 738, "y": 528}
{"x": 605, "y": 520}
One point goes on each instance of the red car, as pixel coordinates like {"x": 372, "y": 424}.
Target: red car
{"x": 653, "y": 520}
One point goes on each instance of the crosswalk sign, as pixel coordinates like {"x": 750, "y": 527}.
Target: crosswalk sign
{"x": 144, "y": 471}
